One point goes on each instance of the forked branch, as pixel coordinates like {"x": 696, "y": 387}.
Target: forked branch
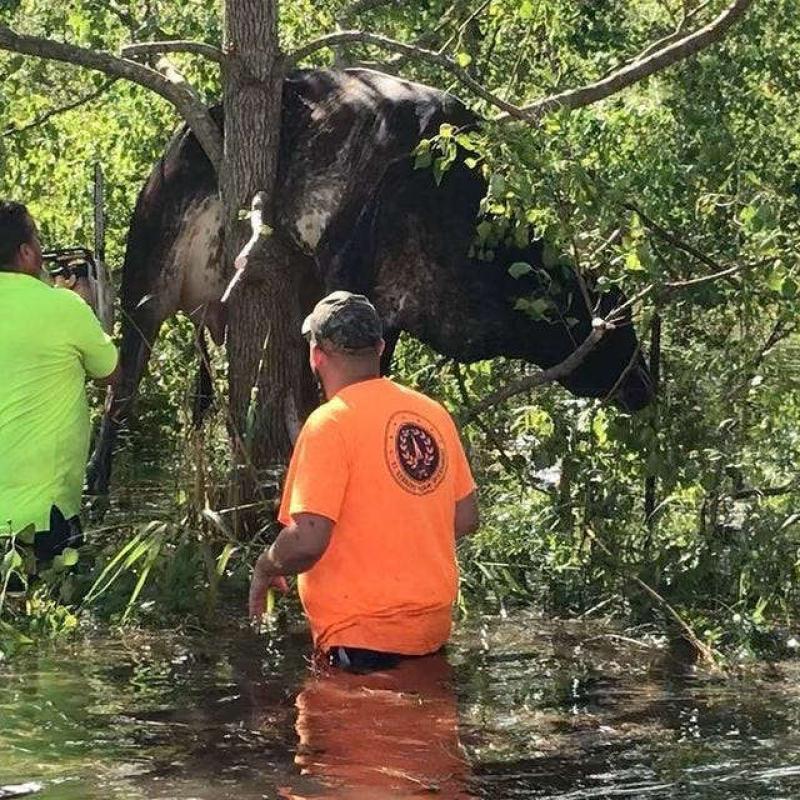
{"x": 645, "y": 64}
{"x": 54, "y": 112}
{"x": 184, "y": 100}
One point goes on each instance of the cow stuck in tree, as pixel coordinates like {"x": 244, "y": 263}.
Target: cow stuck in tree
{"x": 358, "y": 217}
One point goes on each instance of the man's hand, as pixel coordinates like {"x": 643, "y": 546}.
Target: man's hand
{"x": 298, "y": 547}
{"x": 264, "y": 580}
{"x": 80, "y": 286}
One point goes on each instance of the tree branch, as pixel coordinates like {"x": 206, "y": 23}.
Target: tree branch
{"x": 140, "y": 49}
{"x": 184, "y": 100}
{"x": 419, "y": 53}
{"x": 600, "y": 327}
{"x": 53, "y": 112}
{"x": 707, "y": 653}
{"x": 490, "y": 434}
{"x": 676, "y": 35}
{"x": 640, "y": 67}
{"x": 568, "y": 365}
{"x": 675, "y": 240}
{"x": 770, "y": 491}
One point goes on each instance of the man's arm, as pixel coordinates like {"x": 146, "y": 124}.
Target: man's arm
{"x": 110, "y": 380}
{"x": 467, "y": 515}
{"x": 97, "y": 351}
{"x": 298, "y": 547}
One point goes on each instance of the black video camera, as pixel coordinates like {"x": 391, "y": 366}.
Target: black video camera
{"x": 70, "y": 262}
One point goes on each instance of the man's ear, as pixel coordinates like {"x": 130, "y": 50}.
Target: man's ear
{"x": 316, "y": 355}
{"x": 24, "y": 254}
{"x": 380, "y": 347}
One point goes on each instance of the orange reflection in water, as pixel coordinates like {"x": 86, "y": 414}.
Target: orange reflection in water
{"x": 391, "y": 734}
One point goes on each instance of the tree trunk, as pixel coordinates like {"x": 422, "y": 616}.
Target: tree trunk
{"x": 264, "y": 346}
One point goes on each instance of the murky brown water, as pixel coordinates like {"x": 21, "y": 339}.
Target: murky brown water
{"x": 521, "y": 708}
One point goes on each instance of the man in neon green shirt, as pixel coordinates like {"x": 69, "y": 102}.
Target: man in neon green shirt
{"x": 50, "y": 341}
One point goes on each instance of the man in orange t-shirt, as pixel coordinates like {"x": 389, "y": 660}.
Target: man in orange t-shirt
{"x": 377, "y": 493}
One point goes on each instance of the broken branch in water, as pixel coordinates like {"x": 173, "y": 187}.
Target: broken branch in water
{"x": 706, "y": 653}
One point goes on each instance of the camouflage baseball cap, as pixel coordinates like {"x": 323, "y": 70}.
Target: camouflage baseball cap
{"x": 349, "y": 321}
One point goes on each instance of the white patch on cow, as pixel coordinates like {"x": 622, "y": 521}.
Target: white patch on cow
{"x": 394, "y": 311}
{"x": 196, "y": 256}
{"x": 317, "y": 211}
{"x": 293, "y": 423}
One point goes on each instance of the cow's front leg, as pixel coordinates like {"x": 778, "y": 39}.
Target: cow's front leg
{"x": 139, "y": 331}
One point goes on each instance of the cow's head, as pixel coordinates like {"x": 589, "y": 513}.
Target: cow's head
{"x": 413, "y": 250}
{"x": 552, "y": 316}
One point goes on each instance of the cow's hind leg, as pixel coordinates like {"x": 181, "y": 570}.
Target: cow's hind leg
{"x": 139, "y": 331}
{"x": 203, "y": 393}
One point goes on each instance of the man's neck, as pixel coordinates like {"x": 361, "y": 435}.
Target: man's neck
{"x": 335, "y": 385}
{"x": 13, "y": 269}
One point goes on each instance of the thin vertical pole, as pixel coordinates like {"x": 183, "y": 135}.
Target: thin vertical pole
{"x": 105, "y": 291}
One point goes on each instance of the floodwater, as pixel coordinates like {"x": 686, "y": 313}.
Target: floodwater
{"x": 519, "y": 708}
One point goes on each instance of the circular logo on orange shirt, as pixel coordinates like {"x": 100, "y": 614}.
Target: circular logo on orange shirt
{"x": 415, "y": 453}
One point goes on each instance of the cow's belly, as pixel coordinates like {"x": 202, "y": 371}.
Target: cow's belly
{"x": 197, "y": 253}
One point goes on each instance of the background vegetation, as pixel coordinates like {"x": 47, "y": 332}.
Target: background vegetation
{"x": 690, "y": 172}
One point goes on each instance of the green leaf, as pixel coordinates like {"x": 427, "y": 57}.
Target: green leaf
{"x": 439, "y": 168}
{"x": 536, "y": 309}
{"x": 463, "y": 59}
{"x": 27, "y": 534}
{"x": 423, "y": 160}
{"x": 600, "y": 428}
{"x": 497, "y": 185}
{"x": 484, "y": 230}
{"x": 519, "y": 268}
{"x": 70, "y": 556}
{"x": 633, "y": 262}
{"x": 224, "y": 558}
{"x": 775, "y": 279}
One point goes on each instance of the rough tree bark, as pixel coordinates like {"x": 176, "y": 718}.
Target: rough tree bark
{"x": 264, "y": 346}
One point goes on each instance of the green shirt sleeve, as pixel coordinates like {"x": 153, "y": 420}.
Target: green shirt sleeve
{"x": 97, "y": 351}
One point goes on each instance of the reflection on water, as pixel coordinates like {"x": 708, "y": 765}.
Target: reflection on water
{"x": 386, "y": 735}
{"x": 521, "y": 708}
